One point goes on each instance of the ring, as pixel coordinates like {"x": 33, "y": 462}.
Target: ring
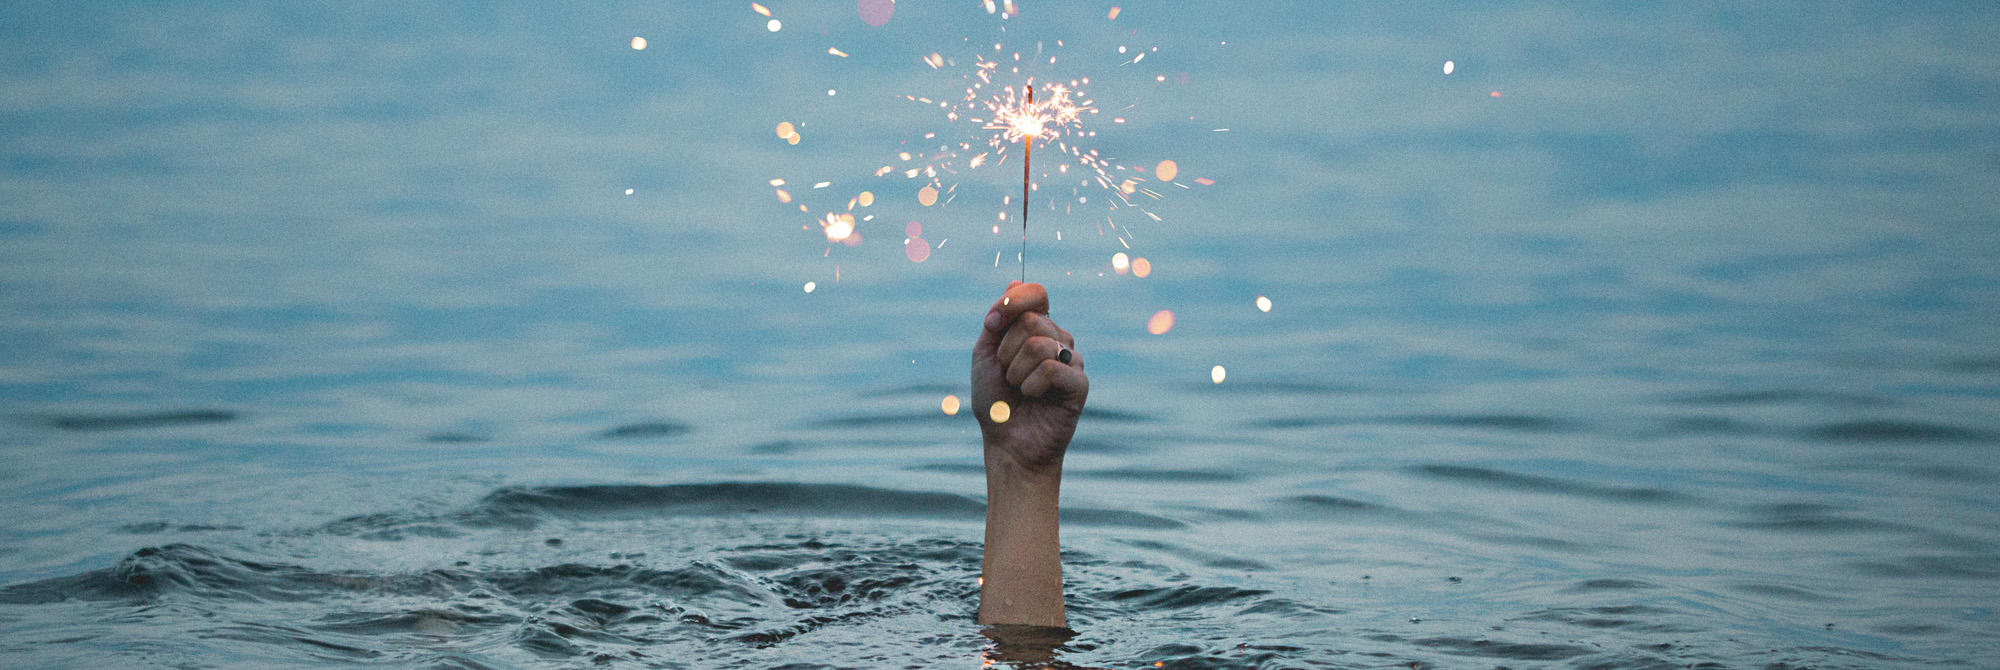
{"x": 1063, "y": 355}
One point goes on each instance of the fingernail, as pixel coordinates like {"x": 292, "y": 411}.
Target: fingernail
{"x": 993, "y": 320}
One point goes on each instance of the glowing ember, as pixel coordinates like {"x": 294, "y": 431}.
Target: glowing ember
{"x": 773, "y": 26}
{"x": 810, "y": 286}
{"x": 1204, "y": 181}
{"x": 875, "y": 12}
{"x": 1113, "y": 16}
{"x": 1121, "y": 262}
{"x": 838, "y": 227}
{"x": 1001, "y": 412}
{"x": 1167, "y": 170}
{"x": 1217, "y": 374}
{"x": 1496, "y": 94}
{"x": 927, "y": 196}
{"x": 836, "y": 52}
{"x": 951, "y": 405}
{"x": 777, "y": 182}
{"x": 1161, "y": 322}
{"x": 1141, "y": 267}
{"x": 639, "y": 43}
{"x": 628, "y": 191}
{"x": 1448, "y": 67}
{"x": 760, "y": 9}
{"x": 1263, "y": 304}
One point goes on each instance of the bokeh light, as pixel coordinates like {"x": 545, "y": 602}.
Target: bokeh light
{"x": 1217, "y": 374}
{"x": 1121, "y": 263}
{"x": 1449, "y": 66}
{"x": 927, "y": 196}
{"x": 810, "y": 286}
{"x": 1141, "y": 267}
{"x": 917, "y": 249}
{"x": 951, "y": 405}
{"x": 639, "y": 43}
{"x": 866, "y": 198}
{"x": 839, "y": 227}
{"x": 1000, "y": 412}
{"x": 913, "y": 229}
{"x": 1113, "y": 16}
{"x": 875, "y": 12}
{"x": 1167, "y": 170}
{"x": 773, "y": 26}
{"x": 1263, "y": 304}
{"x": 1161, "y": 322}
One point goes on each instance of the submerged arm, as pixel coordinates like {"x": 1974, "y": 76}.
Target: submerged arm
{"x": 1022, "y": 359}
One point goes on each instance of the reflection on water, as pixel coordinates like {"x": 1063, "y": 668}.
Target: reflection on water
{"x": 468, "y": 335}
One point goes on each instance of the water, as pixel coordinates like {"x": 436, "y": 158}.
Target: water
{"x": 331, "y": 336}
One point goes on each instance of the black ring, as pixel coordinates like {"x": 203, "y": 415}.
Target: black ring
{"x": 1063, "y": 355}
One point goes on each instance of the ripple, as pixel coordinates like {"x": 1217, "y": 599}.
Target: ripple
{"x": 1894, "y": 431}
{"x": 1177, "y": 597}
{"x": 1541, "y": 484}
{"x": 1506, "y": 422}
{"x": 1145, "y": 475}
{"x": 1488, "y": 648}
{"x": 1116, "y": 415}
{"x": 726, "y": 498}
{"x": 646, "y": 431}
{"x": 1776, "y": 397}
{"x": 1811, "y": 518}
{"x": 1783, "y": 592}
{"x": 1592, "y": 585}
{"x": 95, "y": 422}
{"x": 891, "y": 420}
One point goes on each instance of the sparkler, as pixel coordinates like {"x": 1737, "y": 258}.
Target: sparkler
{"x": 1024, "y": 119}
{"x": 1027, "y": 159}
{"x": 1001, "y": 114}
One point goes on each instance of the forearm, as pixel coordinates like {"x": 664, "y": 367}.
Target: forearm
{"x": 1021, "y": 574}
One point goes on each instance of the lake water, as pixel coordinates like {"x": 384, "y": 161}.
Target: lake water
{"x": 1648, "y": 337}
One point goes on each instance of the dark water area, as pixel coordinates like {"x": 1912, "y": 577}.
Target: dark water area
{"x": 1649, "y": 337}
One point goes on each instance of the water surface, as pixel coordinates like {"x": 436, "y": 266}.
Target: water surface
{"x": 332, "y": 336}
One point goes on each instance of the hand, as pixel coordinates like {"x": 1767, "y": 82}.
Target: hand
{"x": 1018, "y": 360}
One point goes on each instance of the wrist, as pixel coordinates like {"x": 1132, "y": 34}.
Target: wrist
{"x": 1007, "y": 467}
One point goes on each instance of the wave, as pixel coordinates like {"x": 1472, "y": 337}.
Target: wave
{"x": 1542, "y": 484}
{"x": 528, "y": 507}
{"x": 1507, "y": 422}
{"x": 97, "y": 422}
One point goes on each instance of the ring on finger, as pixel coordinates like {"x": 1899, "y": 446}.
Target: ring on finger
{"x": 1063, "y": 354}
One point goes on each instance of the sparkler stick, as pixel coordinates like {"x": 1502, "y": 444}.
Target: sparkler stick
{"x": 1027, "y": 158}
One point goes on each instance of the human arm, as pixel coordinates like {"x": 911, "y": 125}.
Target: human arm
{"x": 1024, "y": 360}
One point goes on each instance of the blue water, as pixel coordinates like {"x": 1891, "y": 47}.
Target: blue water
{"x": 331, "y": 335}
